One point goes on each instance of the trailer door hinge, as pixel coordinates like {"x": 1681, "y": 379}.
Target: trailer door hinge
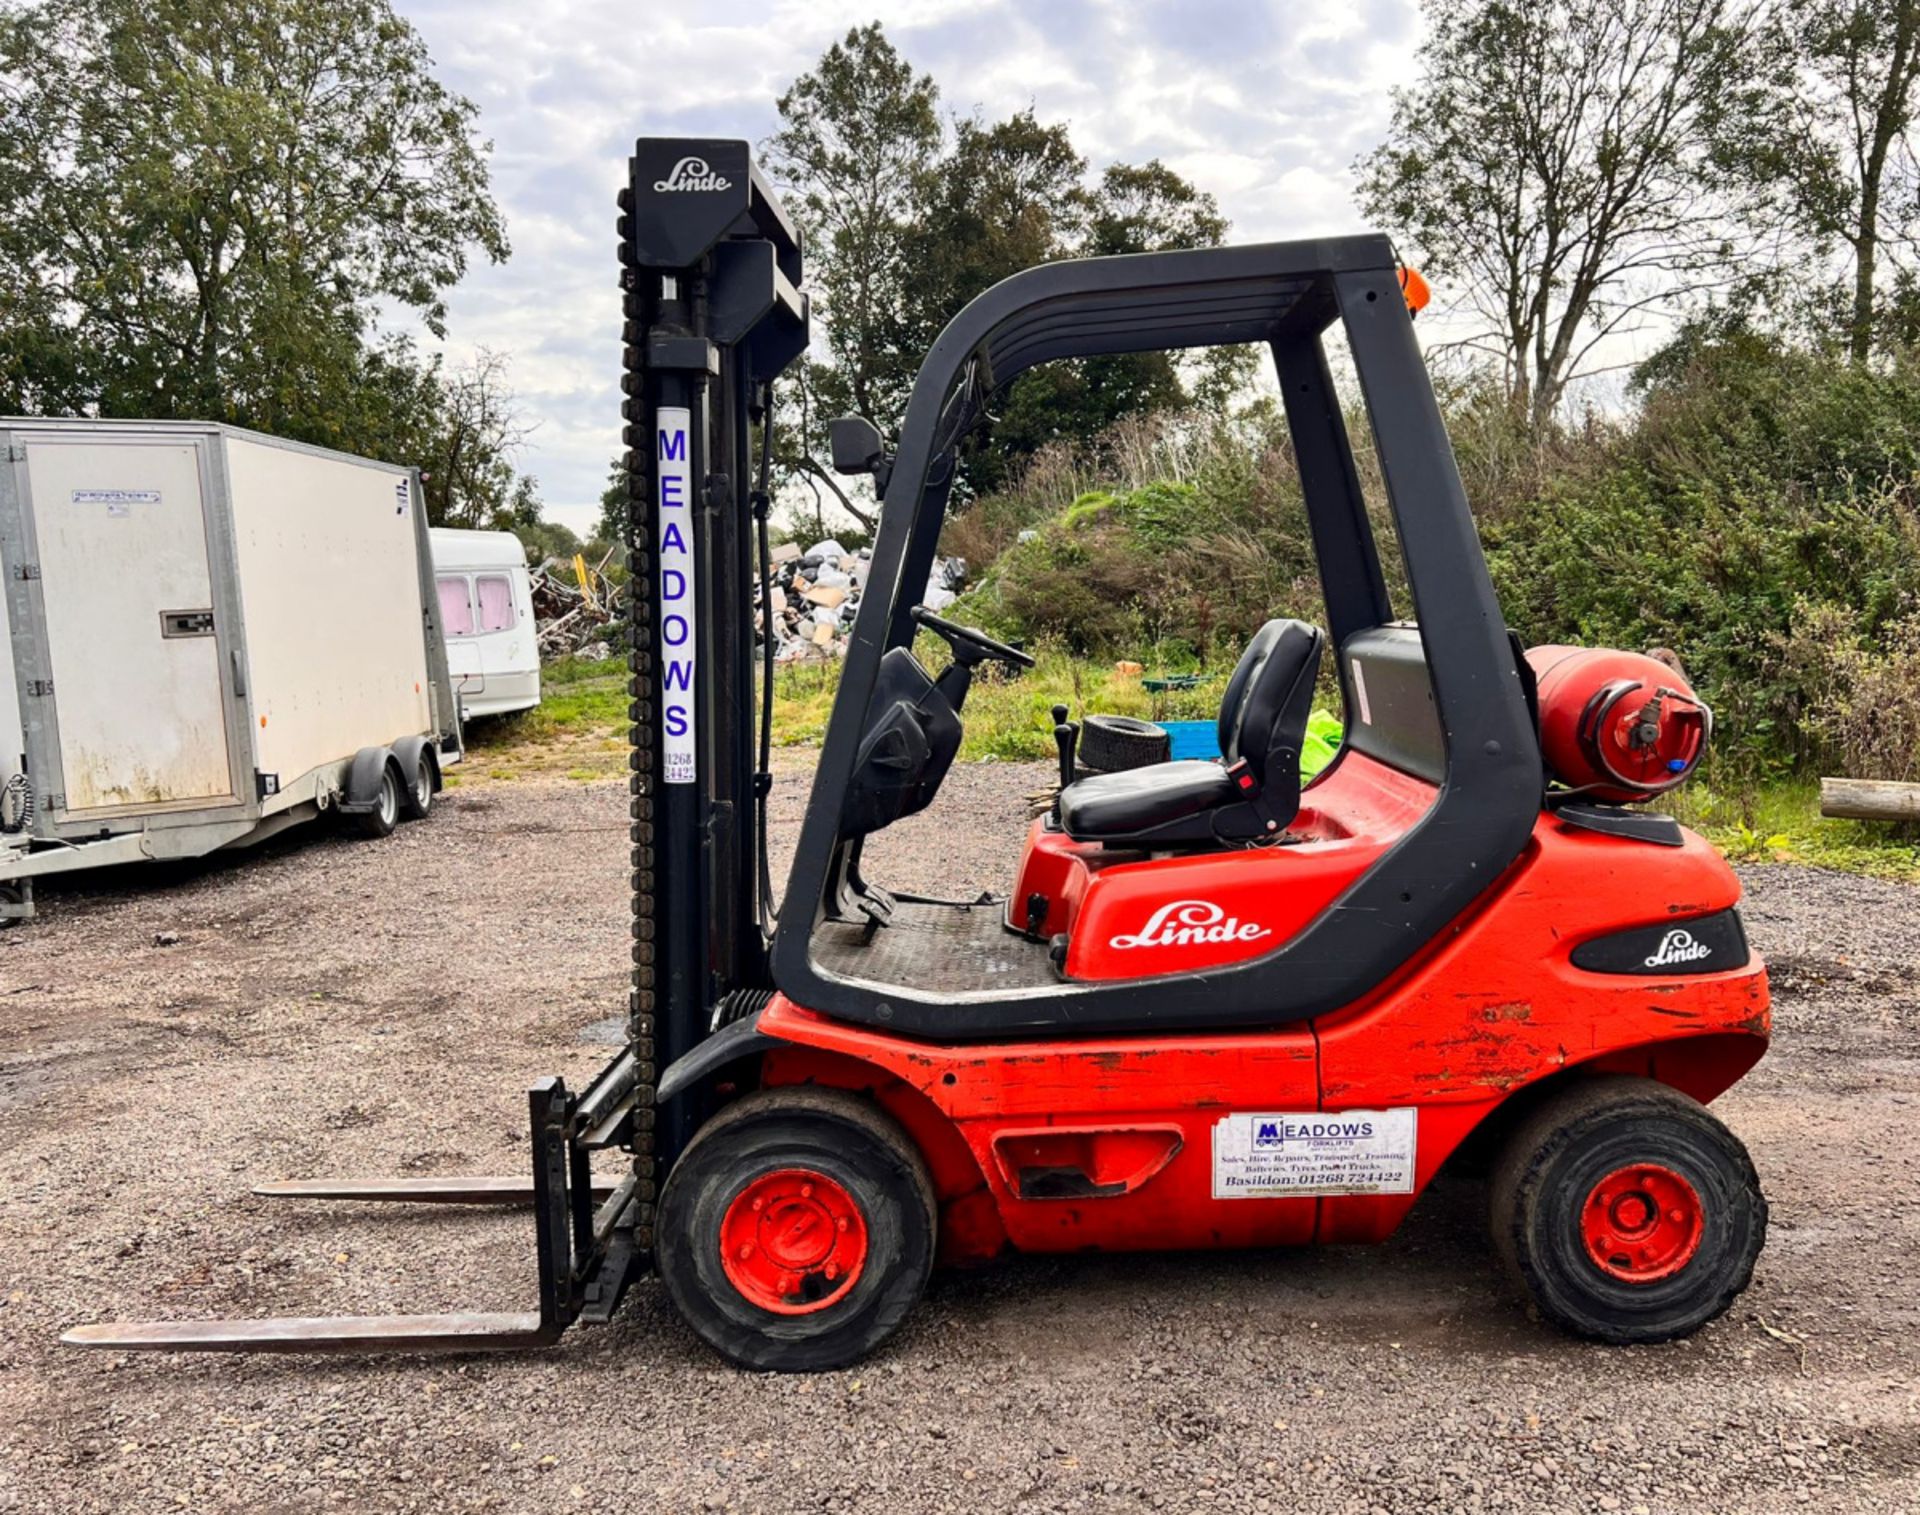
{"x": 40, "y": 686}
{"x": 26, "y": 571}
{"x": 16, "y": 453}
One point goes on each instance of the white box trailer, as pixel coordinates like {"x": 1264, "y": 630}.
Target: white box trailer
{"x": 215, "y": 635}
{"x": 486, "y": 613}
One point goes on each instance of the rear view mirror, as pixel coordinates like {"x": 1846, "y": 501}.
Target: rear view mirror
{"x": 857, "y": 446}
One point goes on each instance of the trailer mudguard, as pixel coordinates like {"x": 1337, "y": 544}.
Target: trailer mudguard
{"x": 408, "y": 751}
{"x": 363, "y": 780}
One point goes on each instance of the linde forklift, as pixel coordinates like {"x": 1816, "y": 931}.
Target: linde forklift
{"x": 1216, "y": 1008}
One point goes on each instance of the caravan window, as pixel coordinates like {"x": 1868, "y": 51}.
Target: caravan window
{"x": 495, "y": 594}
{"x": 456, "y": 609}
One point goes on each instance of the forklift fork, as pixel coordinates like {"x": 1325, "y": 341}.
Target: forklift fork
{"x": 586, "y": 1254}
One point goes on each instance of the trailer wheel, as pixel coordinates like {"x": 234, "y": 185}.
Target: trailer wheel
{"x": 797, "y": 1230}
{"x": 385, "y": 814}
{"x": 1627, "y": 1211}
{"x": 416, "y": 800}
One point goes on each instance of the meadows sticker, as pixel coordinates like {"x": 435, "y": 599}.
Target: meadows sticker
{"x": 1282, "y": 1155}
{"x": 674, "y": 550}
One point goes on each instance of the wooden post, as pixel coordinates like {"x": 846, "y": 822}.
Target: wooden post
{"x": 1870, "y": 799}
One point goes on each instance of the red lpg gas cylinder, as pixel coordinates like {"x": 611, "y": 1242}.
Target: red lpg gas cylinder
{"x": 1617, "y": 726}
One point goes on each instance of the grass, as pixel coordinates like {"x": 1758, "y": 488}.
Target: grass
{"x": 579, "y": 732}
{"x": 1008, "y": 719}
{"x": 1780, "y": 822}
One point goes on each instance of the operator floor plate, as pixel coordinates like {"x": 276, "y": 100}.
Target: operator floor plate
{"x": 954, "y": 949}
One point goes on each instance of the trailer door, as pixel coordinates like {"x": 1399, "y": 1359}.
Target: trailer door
{"x": 120, "y": 529}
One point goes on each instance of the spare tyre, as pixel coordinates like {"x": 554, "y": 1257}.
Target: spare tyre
{"x": 1113, "y": 743}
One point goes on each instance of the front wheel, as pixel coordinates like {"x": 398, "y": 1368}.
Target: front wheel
{"x": 797, "y": 1230}
{"x": 385, "y": 814}
{"x": 1627, "y": 1211}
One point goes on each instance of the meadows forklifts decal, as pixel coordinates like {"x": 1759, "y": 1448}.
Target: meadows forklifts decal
{"x": 674, "y": 547}
{"x": 1282, "y": 1155}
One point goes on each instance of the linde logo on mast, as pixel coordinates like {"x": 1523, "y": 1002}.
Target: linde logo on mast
{"x": 1186, "y": 923}
{"x": 692, "y": 176}
{"x": 673, "y": 541}
{"x": 1679, "y": 946}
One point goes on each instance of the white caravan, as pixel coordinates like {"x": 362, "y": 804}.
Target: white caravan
{"x": 213, "y": 634}
{"x": 486, "y": 610}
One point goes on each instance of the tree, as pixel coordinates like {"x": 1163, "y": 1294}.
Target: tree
{"x": 907, "y": 222}
{"x": 466, "y": 454}
{"x": 1009, "y": 195}
{"x": 1837, "y": 142}
{"x": 858, "y": 138}
{"x": 1561, "y": 161}
{"x": 209, "y": 204}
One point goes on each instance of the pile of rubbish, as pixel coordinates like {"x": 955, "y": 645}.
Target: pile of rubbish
{"x": 815, "y": 592}
{"x": 574, "y": 606}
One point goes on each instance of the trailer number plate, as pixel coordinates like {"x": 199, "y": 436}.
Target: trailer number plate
{"x": 674, "y": 549}
{"x": 118, "y": 502}
{"x": 1280, "y": 1155}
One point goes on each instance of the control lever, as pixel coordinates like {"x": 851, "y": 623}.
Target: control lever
{"x": 1066, "y": 736}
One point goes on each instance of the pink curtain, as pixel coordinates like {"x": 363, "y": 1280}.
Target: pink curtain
{"x": 496, "y": 603}
{"x": 456, "y": 611}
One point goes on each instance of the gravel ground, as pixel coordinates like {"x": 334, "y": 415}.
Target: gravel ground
{"x": 333, "y": 1007}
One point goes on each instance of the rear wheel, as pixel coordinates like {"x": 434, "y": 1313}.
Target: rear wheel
{"x": 797, "y": 1230}
{"x": 385, "y": 814}
{"x": 1627, "y": 1211}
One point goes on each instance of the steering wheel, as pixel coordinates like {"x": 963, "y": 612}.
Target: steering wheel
{"x": 969, "y": 646}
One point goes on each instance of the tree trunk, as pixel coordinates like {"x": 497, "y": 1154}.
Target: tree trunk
{"x": 1865, "y": 253}
{"x": 1870, "y": 799}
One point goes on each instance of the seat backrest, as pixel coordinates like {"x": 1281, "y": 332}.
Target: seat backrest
{"x": 1270, "y": 697}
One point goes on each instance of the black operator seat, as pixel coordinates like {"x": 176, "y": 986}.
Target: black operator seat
{"x": 1254, "y": 792}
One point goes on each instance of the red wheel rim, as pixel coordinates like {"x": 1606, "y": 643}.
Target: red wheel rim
{"x": 1642, "y": 1223}
{"x": 793, "y": 1241}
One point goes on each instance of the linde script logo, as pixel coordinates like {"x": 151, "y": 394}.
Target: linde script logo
{"x": 1679, "y": 946}
{"x": 691, "y": 176}
{"x": 1187, "y": 923}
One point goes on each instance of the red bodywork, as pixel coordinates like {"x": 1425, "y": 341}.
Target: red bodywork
{"x": 1491, "y": 1006}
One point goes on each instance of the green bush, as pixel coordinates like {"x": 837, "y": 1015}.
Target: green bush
{"x": 1757, "y": 513}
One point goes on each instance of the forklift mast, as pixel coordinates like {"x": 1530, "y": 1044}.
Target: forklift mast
{"x": 711, "y": 269}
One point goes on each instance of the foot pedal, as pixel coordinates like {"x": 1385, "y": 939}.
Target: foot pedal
{"x": 878, "y": 907}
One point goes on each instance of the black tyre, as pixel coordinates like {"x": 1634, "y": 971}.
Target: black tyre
{"x": 1627, "y": 1211}
{"x": 797, "y": 1230}
{"x": 1113, "y": 743}
{"x": 416, "y": 797}
{"x": 385, "y": 814}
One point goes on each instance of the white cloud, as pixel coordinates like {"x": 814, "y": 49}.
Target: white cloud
{"x": 1264, "y": 104}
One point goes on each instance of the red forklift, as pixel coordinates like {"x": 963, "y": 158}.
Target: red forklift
{"x": 1215, "y": 1008}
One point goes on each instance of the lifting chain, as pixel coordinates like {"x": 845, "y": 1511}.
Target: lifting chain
{"x": 642, "y": 757}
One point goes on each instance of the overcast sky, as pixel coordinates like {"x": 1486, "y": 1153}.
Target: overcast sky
{"x": 1264, "y": 103}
